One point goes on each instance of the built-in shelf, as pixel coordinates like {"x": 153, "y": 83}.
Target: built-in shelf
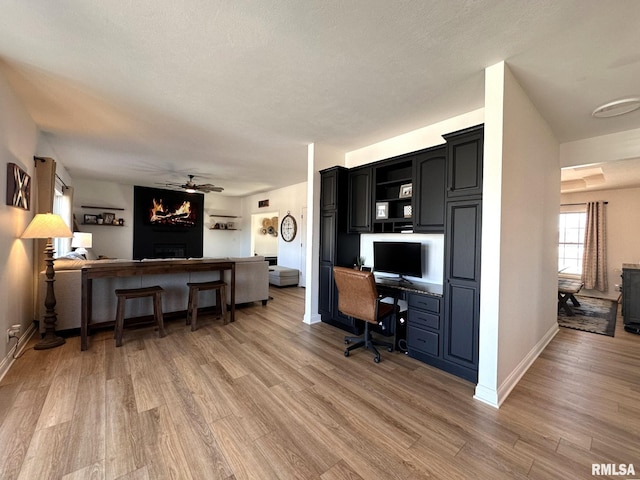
{"x": 102, "y": 208}
{"x": 223, "y": 226}
{"x": 103, "y": 224}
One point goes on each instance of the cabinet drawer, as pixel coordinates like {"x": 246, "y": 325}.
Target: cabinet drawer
{"x": 422, "y": 319}
{"x": 424, "y": 302}
{"x": 423, "y": 340}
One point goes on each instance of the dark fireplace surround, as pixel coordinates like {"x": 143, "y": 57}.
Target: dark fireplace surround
{"x": 165, "y": 239}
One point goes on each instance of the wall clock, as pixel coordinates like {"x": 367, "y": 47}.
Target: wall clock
{"x": 288, "y": 228}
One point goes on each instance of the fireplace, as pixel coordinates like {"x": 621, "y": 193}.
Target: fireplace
{"x": 169, "y": 250}
{"x": 167, "y": 223}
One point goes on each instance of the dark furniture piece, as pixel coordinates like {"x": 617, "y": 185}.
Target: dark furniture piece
{"x": 359, "y": 196}
{"x": 151, "y": 267}
{"x": 358, "y": 298}
{"x": 446, "y": 197}
{"x": 631, "y": 297}
{"x": 192, "y": 308}
{"x": 338, "y": 247}
{"x": 429, "y": 173}
{"x": 125, "y": 294}
{"x": 567, "y": 288}
{"x": 463, "y": 232}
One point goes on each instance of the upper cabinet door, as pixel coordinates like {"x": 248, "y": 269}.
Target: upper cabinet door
{"x": 329, "y": 190}
{"x": 429, "y": 191}
{"x": 360, "y": 200}
{"x": 464, "y": 158}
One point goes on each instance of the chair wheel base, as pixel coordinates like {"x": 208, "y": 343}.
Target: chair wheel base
{"x": 376, "y": 359}
{"x": 346, "y": 353}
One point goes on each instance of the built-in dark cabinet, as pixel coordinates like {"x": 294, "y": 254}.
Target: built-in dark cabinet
{"x": 462, "y": 287}
{"x": 437, "y": 190}
{"x": 464, "y": 162}
{"x": 631, "y": 298}
{"x": 338, "y": 247}
{"x": 430, "y": 172}
{"x": 360, "y": 182}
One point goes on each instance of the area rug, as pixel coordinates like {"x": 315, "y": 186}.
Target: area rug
{"x": 595, "y": 315}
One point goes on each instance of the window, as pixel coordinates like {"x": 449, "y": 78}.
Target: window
{"x": 571, "y": 240}
{"x": 62, "y": 206}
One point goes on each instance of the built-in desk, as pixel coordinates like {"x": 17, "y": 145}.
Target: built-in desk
{"x": 425, "y": 337}
{"x": 417, "y": 330}
{"x": 402, "y": 287}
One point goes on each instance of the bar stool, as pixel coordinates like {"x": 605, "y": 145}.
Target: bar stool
{"x": 221, "y": 300}
{"x": 124, "y": 294}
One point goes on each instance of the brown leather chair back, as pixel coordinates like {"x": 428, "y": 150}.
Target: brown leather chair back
{"x": 357, "y": 294}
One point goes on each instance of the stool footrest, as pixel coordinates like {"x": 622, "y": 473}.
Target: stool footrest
{"x": 139, "y": 292}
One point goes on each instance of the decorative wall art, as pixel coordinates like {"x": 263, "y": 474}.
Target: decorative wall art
{"x": 18, "y": 187}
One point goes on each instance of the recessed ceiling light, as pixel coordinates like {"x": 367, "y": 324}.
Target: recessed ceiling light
{"x": 617, "y": 107}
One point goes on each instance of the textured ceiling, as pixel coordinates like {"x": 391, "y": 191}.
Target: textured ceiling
{"x": 150, "y": 91}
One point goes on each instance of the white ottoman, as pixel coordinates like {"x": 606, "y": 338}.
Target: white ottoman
{"x": 283, "y": 276}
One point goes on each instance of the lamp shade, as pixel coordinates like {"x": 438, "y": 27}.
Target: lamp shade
{"x": 47, "y": 225}
{"x": 82, "y": 240}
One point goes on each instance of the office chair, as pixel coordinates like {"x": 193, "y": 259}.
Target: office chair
{"x": 358, "y": 298}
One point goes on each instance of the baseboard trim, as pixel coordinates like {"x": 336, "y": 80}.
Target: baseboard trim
{"x": 6, "y": 363}
{"x": 311, "y": 319}
{"x": 495, "y": 398}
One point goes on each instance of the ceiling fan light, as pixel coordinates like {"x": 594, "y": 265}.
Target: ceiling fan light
{"x": 190, "y": 190}
{"x": 617, "y": 107}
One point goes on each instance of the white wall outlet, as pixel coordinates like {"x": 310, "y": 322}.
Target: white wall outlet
{"x": 13, "y": 332}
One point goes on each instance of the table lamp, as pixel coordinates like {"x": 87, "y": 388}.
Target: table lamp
{"x": 81, "y": 241}
{"x": 48, "y": 225}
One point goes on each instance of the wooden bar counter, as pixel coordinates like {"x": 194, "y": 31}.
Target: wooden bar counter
{"x": 146, "y": 267}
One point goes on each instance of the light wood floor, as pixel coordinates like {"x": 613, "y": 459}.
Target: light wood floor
{"x": 270, "y": 397}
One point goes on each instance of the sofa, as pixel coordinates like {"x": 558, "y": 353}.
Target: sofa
{"x": 252, "y": 285}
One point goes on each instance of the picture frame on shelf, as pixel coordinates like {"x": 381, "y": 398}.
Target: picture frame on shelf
{"x": 407, "y": 211}
{"x": 90, "y": 219}
{"x": 382, "y": 210}
{"x": 406, "y": 190}
{"x": 108, "y": 218}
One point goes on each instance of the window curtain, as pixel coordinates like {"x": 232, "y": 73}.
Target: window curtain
{"x": 594, "y": 260}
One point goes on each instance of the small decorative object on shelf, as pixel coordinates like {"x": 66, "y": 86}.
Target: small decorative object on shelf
{"x": 406, "y": 190}
{"x": 382, "y": 210}
{"x": 407, "y": 211}
{"x": 121, "y": 221}
{"x": 108, "y": 218}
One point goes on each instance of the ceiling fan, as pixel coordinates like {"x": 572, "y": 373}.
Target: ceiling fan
{"x": 192, "y": 187}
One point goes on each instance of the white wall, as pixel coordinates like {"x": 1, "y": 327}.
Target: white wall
{"x": 623, "y": 228}
{"x": 113, "y": 242}
{"x": 265, "y": 244}
{"x": 117, "y": 242}
{"x": 288, "y": 199}
{"x": 519, "y": 236}
{"x": 433, "y": 246}
{"x": 425, "y": 137}
{"x": 18, "y": 141}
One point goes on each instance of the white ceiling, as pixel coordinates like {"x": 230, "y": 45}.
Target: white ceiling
{"x": 150, "y": 91}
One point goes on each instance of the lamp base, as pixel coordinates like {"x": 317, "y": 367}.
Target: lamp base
{"x": 49, "y": 341}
